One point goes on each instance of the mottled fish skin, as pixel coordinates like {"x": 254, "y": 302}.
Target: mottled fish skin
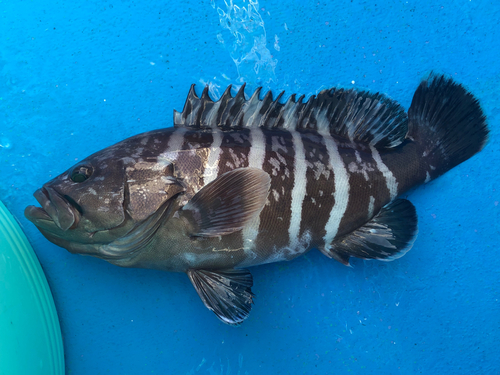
{"x": 321, "y": 188}
{"x": 238, "y": 183}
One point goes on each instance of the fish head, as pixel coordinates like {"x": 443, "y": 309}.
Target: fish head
{"x": 102, "y": 199}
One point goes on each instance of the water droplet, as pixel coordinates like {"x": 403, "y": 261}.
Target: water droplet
{"x": 5, "y": 143}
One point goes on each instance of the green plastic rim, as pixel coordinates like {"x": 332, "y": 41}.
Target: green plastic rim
{"x": 30, "y": 335}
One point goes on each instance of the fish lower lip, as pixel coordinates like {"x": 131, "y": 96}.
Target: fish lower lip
{"x": 34, "y": 213}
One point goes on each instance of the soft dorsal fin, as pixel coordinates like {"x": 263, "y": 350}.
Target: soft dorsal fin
{"x": 358, "y": 116}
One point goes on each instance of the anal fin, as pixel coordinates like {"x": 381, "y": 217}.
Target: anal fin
{"x": 225, "y": 292}
{"x": 388, "y": 236}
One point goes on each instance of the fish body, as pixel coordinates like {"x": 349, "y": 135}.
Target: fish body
{"x": 300, "y": 211}
{"x": 238, "y": 183}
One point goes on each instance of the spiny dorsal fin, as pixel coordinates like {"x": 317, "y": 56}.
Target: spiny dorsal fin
{"x": 358, "y": 116}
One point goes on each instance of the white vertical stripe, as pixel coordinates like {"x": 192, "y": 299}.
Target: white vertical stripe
{"x": 255, "y": 160}
{"x": 257, "y": 149}
{"x": 175, "y": 143}
{"x": 341, "y": 193}
{"x": 299, "y": 188}
{"x": 371, "y": 205}
{"x": 176, "y": 139}
{"x": 390, "y": 180}
{"x": 212, "y": 163}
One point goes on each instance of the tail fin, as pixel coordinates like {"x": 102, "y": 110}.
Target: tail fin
{"x": 447, "y": 123}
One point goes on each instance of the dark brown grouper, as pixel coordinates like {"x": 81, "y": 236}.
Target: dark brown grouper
{"x": 237, "y": 183}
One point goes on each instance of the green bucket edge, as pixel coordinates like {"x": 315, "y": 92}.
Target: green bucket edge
{"x": 18, "y": 243}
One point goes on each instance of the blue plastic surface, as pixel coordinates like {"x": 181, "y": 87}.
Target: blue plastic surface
{"x": 78, "y": 76}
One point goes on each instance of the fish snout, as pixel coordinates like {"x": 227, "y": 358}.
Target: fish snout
{"x": 55, "y": 208}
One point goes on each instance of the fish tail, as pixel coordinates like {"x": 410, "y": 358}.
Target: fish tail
{"x": 447, "y": 124}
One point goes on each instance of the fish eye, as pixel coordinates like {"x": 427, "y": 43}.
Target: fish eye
{"x": 81, "y": 173}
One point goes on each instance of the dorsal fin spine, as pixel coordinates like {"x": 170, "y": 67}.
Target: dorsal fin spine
{"x": 252, "y": 102}
{"x": 266, "y": 102}
{"x": 204, "y": 94}
{"x": 357, "y": 116}
{"x": 192, "y": 100}
{"x": 280, "y": 113}
{"x": 304, "y": 111}
{"x": 225, "y": 106}
{"x": 288, "y": 111}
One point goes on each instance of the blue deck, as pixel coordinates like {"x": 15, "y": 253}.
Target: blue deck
{"x": 78, "y": 76}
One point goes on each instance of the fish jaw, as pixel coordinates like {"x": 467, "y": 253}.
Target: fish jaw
{"x": 57, "y": 220}
{"x": 54, "y": 210}
{"x": 52, "y": 232}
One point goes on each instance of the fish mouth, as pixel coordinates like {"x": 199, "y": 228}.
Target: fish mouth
{"x": 55, "y": 209}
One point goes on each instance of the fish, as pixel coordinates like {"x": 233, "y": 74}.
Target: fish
{"x": 240, "y": 182}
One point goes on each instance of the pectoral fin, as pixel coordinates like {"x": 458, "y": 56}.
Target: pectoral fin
{"x": 226, "y": 292}
{"x": 228, "y": 203}
{"x": 388, "y": 236}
